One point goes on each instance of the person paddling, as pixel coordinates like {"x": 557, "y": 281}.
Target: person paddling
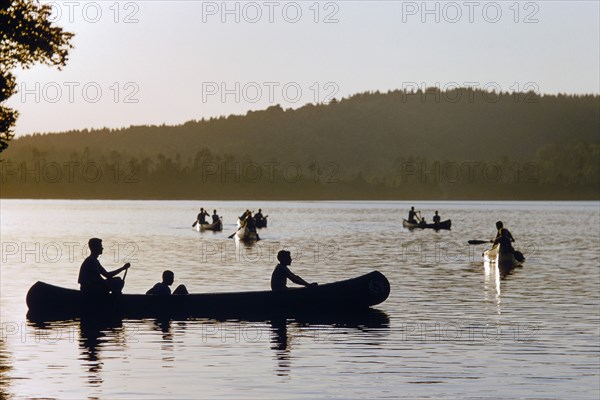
{"x": 162, "y": 288}
{"x": 414, "y": 216}
{"x": 504, "y": 238}
{"x": 436, "y": 218}
{"x": 259, "y": 219}
{"x": 202, "y": 216}
{"x": 215, "y": 216}
{"x": 282, "y": 273}
{"x": 91, "y": 273}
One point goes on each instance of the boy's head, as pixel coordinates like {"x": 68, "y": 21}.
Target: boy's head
{"x": 168, "y": 277}
{"x": 95, "y": 245}
{"x": 284, "y": 257}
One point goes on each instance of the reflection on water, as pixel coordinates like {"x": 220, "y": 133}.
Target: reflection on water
{"x": 102, "y": 341}
{"x": 493, "y": 275}
{"x": 5, "y": 365}
{"x": 531, "y": 334}
{"x": 93, "y": 336}
{"x": 281, "y": 346}
{"x": 367, "y": 326}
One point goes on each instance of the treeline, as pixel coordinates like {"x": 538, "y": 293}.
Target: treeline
{"x": 461, "y": 144}
{"x": 211, "y": 176}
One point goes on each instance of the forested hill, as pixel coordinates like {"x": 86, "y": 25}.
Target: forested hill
{"x": 368, "y": 133}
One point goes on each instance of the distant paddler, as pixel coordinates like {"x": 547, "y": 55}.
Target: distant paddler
{"x": 414, "y": 217}
{"x": 215, "y": 216}
{"x": 259, "y": 220}
{"x": 201, "y": 218}
{"x": 437, "y": 219}
{"x": 504, "y": 238}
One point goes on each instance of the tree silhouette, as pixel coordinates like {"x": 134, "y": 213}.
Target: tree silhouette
{"x": 27, "y": 37}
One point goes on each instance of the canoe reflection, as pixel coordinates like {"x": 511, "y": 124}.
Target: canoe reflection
{"x": 324, "y": 328}
{"x": 99, "y": 340}
{"x": 93, "y": 336}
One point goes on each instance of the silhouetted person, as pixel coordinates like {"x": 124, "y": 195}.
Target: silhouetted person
{"x": 436, "y": 218}
{"x": 250, "y": 222}
{"x": 504, "y": 238}
{"x": 245, "y": 215}
{"x": 162, "y": 288}
{"x": 258, "y": 217}
{"x": 282, "y": 273}
{"x": 202, "y": 216}
{"x": 259, "y": 220}
{"x": 413, "y": 217}
{"x": 91, "y": 273}
{"x": 215, "y": 217}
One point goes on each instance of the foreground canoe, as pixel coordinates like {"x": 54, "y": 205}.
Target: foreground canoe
{"x": 216, "y": 226}
{"x": 505, "y": 262}
{"x": 412, "y": 225}
{"x": 52, "y": 302}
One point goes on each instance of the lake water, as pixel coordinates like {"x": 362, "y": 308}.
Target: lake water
{"x": 451, "y": 328}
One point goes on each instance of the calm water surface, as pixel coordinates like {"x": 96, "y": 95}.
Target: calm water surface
{"x": 451, "y": 328}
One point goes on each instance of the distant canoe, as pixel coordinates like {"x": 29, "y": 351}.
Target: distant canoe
{"x": 245, "y": 234}
{"x": 260, "y": 223}
{"x": 412, "y": 225}
{"x": 215, "y": 226}
{"x": 52, "y": 302}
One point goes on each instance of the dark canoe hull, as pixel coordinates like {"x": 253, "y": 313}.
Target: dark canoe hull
{"x": 52, "y": 302}
{"x": 215, "y": 226}
{"x": 442, "y": 225}
{"x": 505, "y": 262}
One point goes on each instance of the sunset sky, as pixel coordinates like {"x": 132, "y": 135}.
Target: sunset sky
{"x": 155, "y": 62}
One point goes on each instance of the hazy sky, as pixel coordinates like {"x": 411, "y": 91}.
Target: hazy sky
{"x": 155, "y": 62}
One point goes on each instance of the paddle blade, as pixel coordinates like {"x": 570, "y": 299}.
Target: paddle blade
{"x": 232, "y": 235}
{"x": 519, "y": 256}
{"x": 478, "y": 241}
{"x": 194, "y": 224}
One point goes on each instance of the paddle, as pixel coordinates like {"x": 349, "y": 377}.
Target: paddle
{"x": 480, "y": 241}
{"x": 195, "y": 223}
{"x": 518, "y": 255}
{"x": 233, "y": 234}
{"x": 125, "y": 275}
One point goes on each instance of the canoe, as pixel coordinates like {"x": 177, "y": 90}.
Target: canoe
{"x": 260, "y": 223}
{"x": 245, "y": 233}
{"x": 412, "y": 225}
{"x": 215, "y": 226}
{"x": 48, "y": 302}
{"x": 505, "y": 262}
